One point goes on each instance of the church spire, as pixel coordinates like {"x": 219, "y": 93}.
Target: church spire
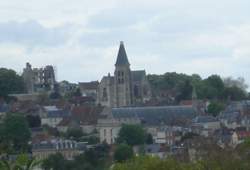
{"x": 122, "y": 58}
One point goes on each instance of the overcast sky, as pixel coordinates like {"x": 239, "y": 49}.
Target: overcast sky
{"x": 81, "y": 38}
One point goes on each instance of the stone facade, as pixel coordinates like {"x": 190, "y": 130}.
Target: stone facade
{"x": 39, "y": 79}
{"x": 126, "y": 87}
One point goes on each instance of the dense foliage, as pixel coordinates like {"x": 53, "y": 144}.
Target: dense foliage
{"x": 33, "y": 121}
{"x": 153, "y": 163}
{"x": 180, "y": 87}
{"x": 131, "y": 135}
{"x": 214, "y": 108}
{"x": 74, "y": 133}
{"x": 123, "y": 152}
{"x": 22, "y": 162}
{"x": 10, "y": 82}
{"x": 14, "y": 134}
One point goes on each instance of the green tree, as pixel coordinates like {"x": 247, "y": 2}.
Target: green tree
{"x": 77, "y": 93}
{"x": 33, "y": 121}
{"x": 234, "y": 93}
{"x": 131, "y": 135}
{"x": 16, "y": 133}
{"x": 23, "y": 162}
{"x": 75, "y": 133}
{"x": 185, "y": 91}
{"x": 149, "y": 139}
{"x": 55, "y": 162}
{"x": 10, "y": 82}
{"x": 214, "y": 108}
{"x": 123, "y": 152}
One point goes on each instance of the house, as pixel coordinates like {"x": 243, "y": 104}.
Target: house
{"x": 89, "y": 88}
{"x": 243, "y": 107}
{"x": 245, "y": 122}
{"x": 223, "y": 137}
{"x": 243, "y": 135}
{"x": 68, "y": 148}
{"x": 86, "y": 116}
{"x": 108, "y": 130}
{"x": 231, "y": 120}
{"x": 205, "y": 125}
{"x": 166, "y": 135}
{"x": 155, "y": 150}
{"x": 52, "y": 115}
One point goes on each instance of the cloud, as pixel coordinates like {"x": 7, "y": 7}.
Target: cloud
{"x": 81, "y": 37}
{"x": 32, "y": 33}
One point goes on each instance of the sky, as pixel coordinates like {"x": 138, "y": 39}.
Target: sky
{"x": 81, "y": 38}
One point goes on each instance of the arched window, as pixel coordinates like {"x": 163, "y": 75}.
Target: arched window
{"x": 120, "y": 77}
{"x": 104, "y": 94}
{"x": 136, "y": 91}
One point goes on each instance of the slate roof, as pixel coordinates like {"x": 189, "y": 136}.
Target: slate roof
{"x": 86, "y": 114}
{"x": 204, "y": 119}
{"x": 4, "y": 108}
{"x": 230, "y": 116}
{"x": 138, "y": 75}
{"x": 122, "y": 58}
{"x": 89, "y": 85}
{"x": 53, "y": 111}
{"x": 157, "y": 114}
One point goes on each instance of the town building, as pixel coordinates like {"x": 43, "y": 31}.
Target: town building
{"x": 89, "y": 88}
{"x": 68, "y": 148}
{"x": 52, "y": 116}
{"x": 149, "y": 117}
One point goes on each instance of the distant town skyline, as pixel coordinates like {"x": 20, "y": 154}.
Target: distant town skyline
{"x": 81, "y": 38}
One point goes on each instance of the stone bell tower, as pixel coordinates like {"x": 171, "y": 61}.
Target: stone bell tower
{"x": 122, "y": 79}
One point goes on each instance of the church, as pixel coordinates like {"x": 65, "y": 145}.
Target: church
{"x": 126, "y": 87}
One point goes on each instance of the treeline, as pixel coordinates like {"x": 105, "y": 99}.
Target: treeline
{"x": 210, "y": 158}
{"x": 181, "y": 87}
{"x": 10, "y": 82}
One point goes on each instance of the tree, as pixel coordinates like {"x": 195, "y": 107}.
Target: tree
{"x": 123, "y": 152}
{"x": 214, "y": 108}
{"x": 239, "y": 82}
{"x": 55, "y": 162}
{"x": 77, "y": 93}
{"x": 16, "y": 132}
{"x": 75, "y": 133}
{"x": 23, "y": 162}
{"x": 234, "y": 93}
{"x": 33, "y": 121}
{"x": 185, "y": 91}
{"x": 10, "y": 82}
{"x": 131, "y": 135}
{"x": 149, "y": 139}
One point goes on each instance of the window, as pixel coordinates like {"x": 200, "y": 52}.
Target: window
{"x": 136, "y": 91}
{"x": 120, "y": 77}
{"x": 104, "y": 94}
{"x": 104, "y": 132}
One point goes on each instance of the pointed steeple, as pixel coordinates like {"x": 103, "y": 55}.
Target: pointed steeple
{"x": 122, "y": 58}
